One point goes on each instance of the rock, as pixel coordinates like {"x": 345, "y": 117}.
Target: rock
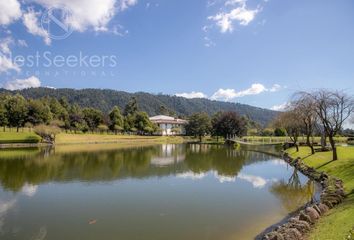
{"x": 328, "y": 203}
{"x": 317, "y": 209}
{"x": 291, "y": 234}
{"x": 305, "y": 217}
{"x": 274, "y": 236}
{"x": 301, "y": 226}
{"x": 323, "y": 207}
{"x": 340, "y": 192}
{"x": 312, "y": 213}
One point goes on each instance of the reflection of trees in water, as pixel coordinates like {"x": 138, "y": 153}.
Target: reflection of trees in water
{"x": 35, "y": 166}
{"x": 292, "y": 194}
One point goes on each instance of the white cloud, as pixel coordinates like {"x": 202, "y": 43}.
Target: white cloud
{"x": 192, "y": 95}
{"x": 281, "y": 107}
{"x": 124, "y": 4}
{"x": 86, "y": 14}
{"x": 225, "y": 18}
{"x": 6, "y": 64}
{"x": 30, "y": 20}
{"x": 208, "y": 42}
{"x": 275, "y": 88}
{"x": 229, "y": 94}
{"x": 10, "y": 11}
{"x": 18, "y": 84}
{"x": 257, "y": 182}
{"x": 5, "y": 45}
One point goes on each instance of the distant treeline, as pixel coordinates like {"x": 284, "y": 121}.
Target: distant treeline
{"x": 105, "y": 100}
{"x": 17, "y": 111}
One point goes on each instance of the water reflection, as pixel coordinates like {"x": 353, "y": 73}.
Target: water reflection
{"x": 293, "y": 192}
{"x": 26, "y": 168}
{"x": 163, "y": 192}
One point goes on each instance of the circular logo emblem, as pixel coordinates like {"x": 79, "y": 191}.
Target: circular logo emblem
{"x": 56, "y": 22}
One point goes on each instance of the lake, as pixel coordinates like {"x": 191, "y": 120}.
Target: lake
{"x": 183, "y": 191}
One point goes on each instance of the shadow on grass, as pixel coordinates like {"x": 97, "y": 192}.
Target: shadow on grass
{"x": 325, "y": 164}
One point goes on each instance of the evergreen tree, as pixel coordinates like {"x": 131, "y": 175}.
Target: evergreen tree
{"x": 116, "y": 120}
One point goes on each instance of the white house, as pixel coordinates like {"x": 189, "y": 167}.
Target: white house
{"x": 169, "y": 125}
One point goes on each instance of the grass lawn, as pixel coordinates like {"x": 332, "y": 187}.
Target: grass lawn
{"x": 18, "y": 137}
{"x": 273, "y": 139}
{"x": 340, "y": 220}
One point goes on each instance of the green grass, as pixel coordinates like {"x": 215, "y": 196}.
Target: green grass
{"x": 18, "y": 137}
{"x": 340, "y": 220}
{"x": 272, "y": 139}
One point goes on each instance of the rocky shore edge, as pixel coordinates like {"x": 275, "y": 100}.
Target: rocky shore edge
{"x": 301, "y": 223}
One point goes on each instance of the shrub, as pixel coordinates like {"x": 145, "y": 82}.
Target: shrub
{"x": 47, "y": 133}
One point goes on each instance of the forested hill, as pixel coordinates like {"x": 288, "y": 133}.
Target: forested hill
{"x": 105, "y": 99}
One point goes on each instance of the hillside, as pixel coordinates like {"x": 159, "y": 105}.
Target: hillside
{"x": 105, "y": 99}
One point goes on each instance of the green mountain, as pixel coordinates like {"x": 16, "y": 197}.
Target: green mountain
{"x": 105, "y": 99}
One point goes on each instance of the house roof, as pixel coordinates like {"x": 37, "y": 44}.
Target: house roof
{"x": 167, "y": 119}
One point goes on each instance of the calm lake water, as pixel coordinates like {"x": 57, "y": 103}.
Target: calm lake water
{"x": 158, "y": 192}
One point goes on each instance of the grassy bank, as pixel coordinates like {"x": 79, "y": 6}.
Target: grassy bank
{"x": 273, "y": 139}
{"x": 340, "y": 220}
{"x": 18, "y": 137}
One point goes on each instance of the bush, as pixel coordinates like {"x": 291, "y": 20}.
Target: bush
{"x": 47, "y": 133}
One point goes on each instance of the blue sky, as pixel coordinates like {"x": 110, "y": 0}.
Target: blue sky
{"x": 250, "y": 51}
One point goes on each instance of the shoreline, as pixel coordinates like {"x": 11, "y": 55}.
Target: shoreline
{"x": 298, "y": 224}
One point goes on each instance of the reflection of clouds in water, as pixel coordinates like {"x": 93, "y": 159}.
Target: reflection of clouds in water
{"x": 5, "y": 206}
{"x": 29, "y": 190}
{"x": 223, "y": 178}
{"x": 191, "y": 175}
{"x": 257, "y": 181}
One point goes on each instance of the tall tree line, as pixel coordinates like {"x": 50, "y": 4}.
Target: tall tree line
{"x": 18, "y": 112}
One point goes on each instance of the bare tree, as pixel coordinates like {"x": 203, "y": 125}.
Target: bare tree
{"x": 305, "y": 107}
{"x": 288, "y": 120}
{"x": 333, "y": 109}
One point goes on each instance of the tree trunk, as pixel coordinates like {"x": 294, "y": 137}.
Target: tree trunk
{"x": 334, "y": 148}
{"x": 308, "y": 142}
{"x": 297, "y": 147}
{"x": 17, "y": 129}
{"x": 200, "y": 138}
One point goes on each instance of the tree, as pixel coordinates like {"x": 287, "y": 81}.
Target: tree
{"x": 16, "y": 111}
{"x": 229, "y": 124}
{"x": 3, "y": 114}
{"x": 288, "y": 120}
{"x": 279, "y": 132}
{"x": 76, "y": 118}
{"x": 333, "y": 108}
{"x": 116, "y": 120}
{"x": 199, "y": 125}
{"x": 38, "y": 112}
{"x": 142, "y": 123}
{"x": 304, "y": 105}
{"x": 92, "y": 117}
{"x": 59, "y": 110}
{"x": 132, "y": 107}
